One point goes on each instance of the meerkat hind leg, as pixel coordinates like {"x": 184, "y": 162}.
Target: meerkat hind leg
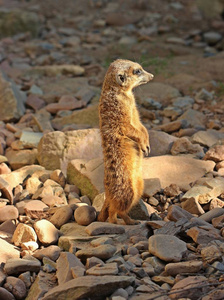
{"x": 127, "y": 219}
{"x": 112, "y": 216}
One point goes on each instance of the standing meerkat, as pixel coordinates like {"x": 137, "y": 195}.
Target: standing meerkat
{"x": 124, "y": 139}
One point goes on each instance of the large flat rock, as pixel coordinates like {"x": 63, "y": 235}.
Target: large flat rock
{"x": 87, "y": 286}
{"x": 166, "y": 169}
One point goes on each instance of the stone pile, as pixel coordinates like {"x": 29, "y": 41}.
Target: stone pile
{"x": 52, "y": 64}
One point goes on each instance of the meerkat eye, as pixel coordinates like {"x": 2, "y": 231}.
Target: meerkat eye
{"x": 137, "y": 72}
{"x": 122, "y": 78}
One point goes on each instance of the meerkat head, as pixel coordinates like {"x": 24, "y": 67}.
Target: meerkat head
{"x": 128, "y": 74}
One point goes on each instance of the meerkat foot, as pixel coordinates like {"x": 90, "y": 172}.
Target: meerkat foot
{"x": 113, "y": 217}
{"x": 127, "y": 219}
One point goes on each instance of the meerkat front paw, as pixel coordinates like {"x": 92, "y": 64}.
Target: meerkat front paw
{"x": 146, "y": 149}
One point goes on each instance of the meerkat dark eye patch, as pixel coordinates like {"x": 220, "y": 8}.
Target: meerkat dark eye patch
{"x": 137, "y": 72}
{"x": 122, "y": 78}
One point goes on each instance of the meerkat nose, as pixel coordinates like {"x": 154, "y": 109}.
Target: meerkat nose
{"x": 151, "y": 76}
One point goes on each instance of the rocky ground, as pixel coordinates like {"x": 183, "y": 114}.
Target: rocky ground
{"x": 53, "y": 57}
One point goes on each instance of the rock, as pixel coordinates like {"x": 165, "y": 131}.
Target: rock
{"x": 216, "y": 294}
{"x": 33, "y": 184}
{"x": 183, "y": 102}
{"x": 103, "y": 252}
{"x": 158, "y": 91}
{"x": 170, "y": 169}
{"x": 4, "y": 294}
{"x": 216, "y": 212}
{"x": 4, "y": 169}
{"x": 84, "y": 215}
{"x": 8, "y": 226}
{"x": 203, "y": 94}
{"x": 6, "y": 189}
{"x": 194, "y": 118}
{"x": 8, "y": 212}
{"x": 171, "y": 126}
{"x": 211, "y": 253}
{"x": 8, "y": 251}
{"x": 141, "y": 211}
{"x": 23, "y": 233}
{"x": 46, "y": 232}
{"x": 51, "y": 252}
{"x": 51, "y": 149}
{"x": 192, "y": 206}
{"x": 212, "y": 37}
{"x": 98, "y": 202}
{"x": 175, "y": 213}
{"x": 201, "y": 194}
{"x": 190, "y": 287}
{"x": 172, "y": 190}
{"x": 30, "y": 139}
{"x": 215, "y": 153}
{"x": 87, "y": 116}
{"x": 183, "y": 145}
{"x": 161, "y": 142}
{"x": 18, "y": 21}
{"x": 150, "y": 103}
{"x": 166, "y": 247}
{"x": 65, "y": 103}
{"x": 55, "y": 70}
{"x": 15, "y": 266}
{"x": 207, "y": 138}
{"x": 126, "y": 40}
{"x": 174, "y": 269}
{"x": 21, "y": 158}
{"x": 61, "y": 216}
{"x": 17, "y": 287}
{"x": 35, "y": 102}
{"x": 202, "y": 236}
{"x": 12, "y": 103}
{"x": 97, "y": 228}
{"x": 65, "y": 262}
{"x": 30, "y": 246}
{"x": 209, "y": 9}
{"x": 87, "y": 175}
{"x": 52, "y": 200}
{"x": 18, "y": 176}
{"x": 42, "y": 284}
{"x": 107, "y": 269}
{"x": 77, "y": 272}
{"x": 151, "y": 186}
{"x": 58, "y": 177}
{"x": 34, "y": 205}
{"x": 84, "y": 287}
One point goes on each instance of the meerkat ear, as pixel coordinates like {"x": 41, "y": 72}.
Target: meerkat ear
{"x": 121, "y": 78}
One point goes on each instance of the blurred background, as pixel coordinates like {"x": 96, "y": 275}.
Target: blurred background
{"x": 180, "y": 42}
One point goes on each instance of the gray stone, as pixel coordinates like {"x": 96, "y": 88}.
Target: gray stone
{"x": 18, "y": 287}
{"x": 51, "y": 252}
{"x": 30, "y": 139}
{"x": 204, "y": 95}
{"x": 212, "y": 37}
{"x": 166, "y": 247}
{"x": 183, "y": 102}
{"x": 42, "y": 284}
{"x": 16, "y": 266}
{"x": 194, "y": 118}
{"x": 4, "y": 294}
{"x": 65, "y": 262}
{"x": 207, "y": 138}
{"x": 85, "y": 215}
{"x": 85, "y": 287}
{"x": 61, "y": 216}
{"x": 97, "y": 228}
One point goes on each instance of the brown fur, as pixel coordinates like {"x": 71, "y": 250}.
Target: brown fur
{"x": 124, "y": 139}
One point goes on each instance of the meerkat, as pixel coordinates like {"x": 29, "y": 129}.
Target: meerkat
{"x": 124, "y": 140}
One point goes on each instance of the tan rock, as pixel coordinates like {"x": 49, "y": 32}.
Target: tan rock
{"x": 35, "y": 205}
{"x": 6, "y": 190}
{"x": 61, "y": 216}
{"x": 183, "y": 267}
{"x": 103, "y": 252}
{"x": 216, "y": 153}
{"x": 15, "y": 266}
{"x": 46, "y": 232}
{"x": 207, "y": 138}
{"x": 161, "y": 142}
{"x": 52, "y": 200}
{"x": 11, "y": 99}
{"x": 77, "y": 272}
{"x": 8, "y": 251}
{"x": 216, "y": 202}
{"x": 202, "y": 236}
{"x": 23, "y": 233}
{"x": 183, "y": 145}
{"x": 52, "y": 153}
{"x": 4, "y": 169}
{"x": 65, "y": 103}
{"x": 107, "y": 269}
{"x": 33, "y": 184}
{"x": 192, "y": 206}
{"x": 176, "y": 212}
{"x": 21, "y": 158}
{"x": 58, "y": 177}
{"x": 54, "y": 70}
{"x": 51, "y": 252}
{"x": 211, "y": 253}
{"x": 8, "y": 212}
